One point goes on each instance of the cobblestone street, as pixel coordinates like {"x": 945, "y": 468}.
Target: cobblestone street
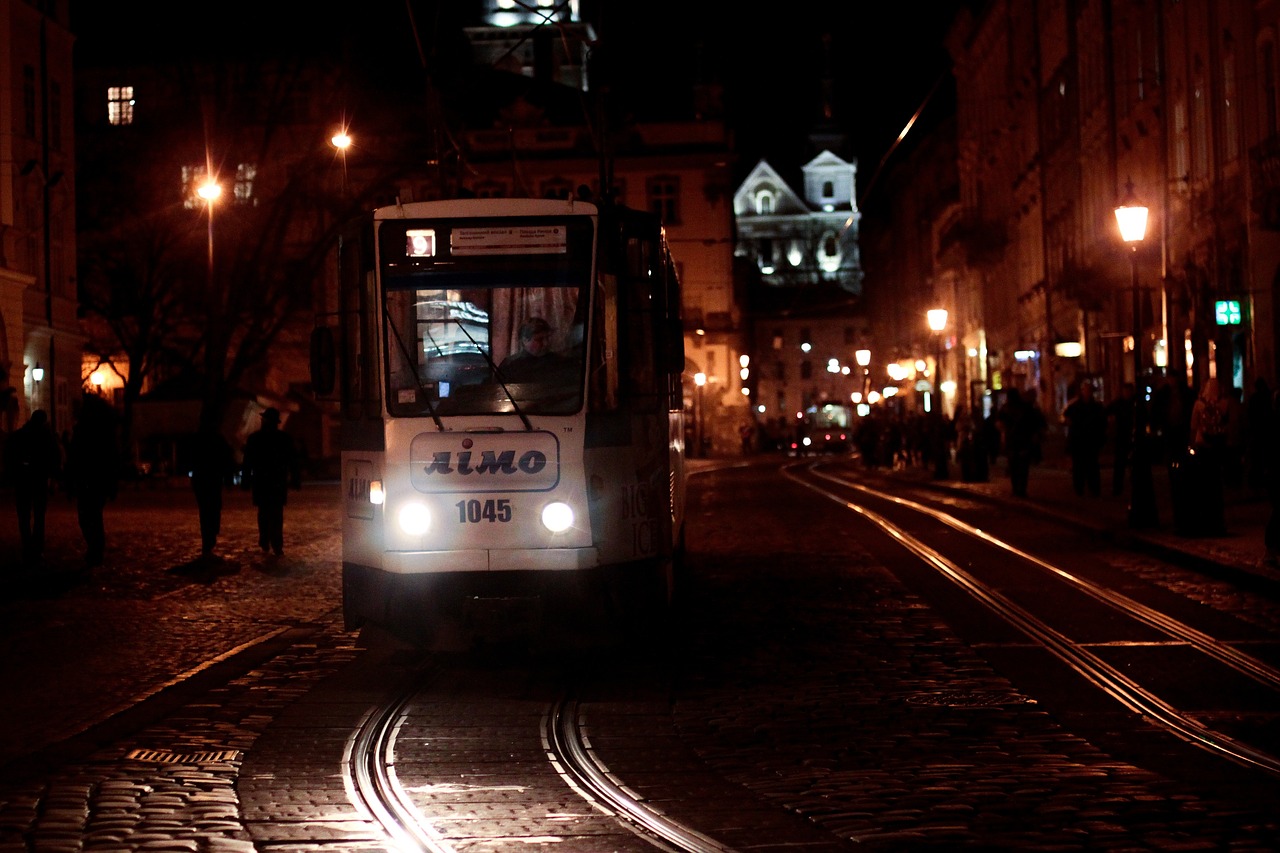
{"x": 75, "y": 646}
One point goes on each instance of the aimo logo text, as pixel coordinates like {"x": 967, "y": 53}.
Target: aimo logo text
{"x": 490, "y": 462}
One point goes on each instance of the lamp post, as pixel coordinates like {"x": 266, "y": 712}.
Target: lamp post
{"x": 937, "y": 324}
{"x": 699, "y": 380}
{"x": 209, "y": 191}
{"x": 1131, "y": 216}
{"x": 863, "y": 358}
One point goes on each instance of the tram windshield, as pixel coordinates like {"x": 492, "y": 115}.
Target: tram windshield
{"x": 485, "y": 316}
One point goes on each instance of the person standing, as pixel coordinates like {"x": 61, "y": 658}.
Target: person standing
{"x": 211, "y": 467}
{"x": 1023, "y": 425}
{"x": 1086, "y": 421}
{"x": 93, "y": 472}
{"x": 1120, "y": 412}
{"x": 32, "y": 460}
{"x": 1259, "y": 438}
{"x": 270, "y": 467}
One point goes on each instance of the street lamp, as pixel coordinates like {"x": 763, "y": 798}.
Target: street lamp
{"x": 1131, "y": 216}
{"x": 863, "y": 358}
{"x": 937, "y": 324}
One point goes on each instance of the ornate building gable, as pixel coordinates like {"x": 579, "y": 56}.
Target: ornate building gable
{"x": 829, "y": 183}
{"x": 793, "y": 244}
{"x": 765, "y": 193}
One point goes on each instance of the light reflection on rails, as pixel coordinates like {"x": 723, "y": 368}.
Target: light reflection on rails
{"x": 372, "y": 784}
{"x": 1130, "y": 694}
{"x": 570, "y": 751}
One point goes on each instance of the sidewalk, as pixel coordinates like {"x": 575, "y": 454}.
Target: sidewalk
{"x": 1240, "y": 553}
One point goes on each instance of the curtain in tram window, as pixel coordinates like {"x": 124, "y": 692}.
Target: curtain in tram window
{"x": 513, "y": 306}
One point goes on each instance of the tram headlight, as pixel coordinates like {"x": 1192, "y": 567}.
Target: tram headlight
{"x": 557, "y": 516}
{"x": 415, "y": 519}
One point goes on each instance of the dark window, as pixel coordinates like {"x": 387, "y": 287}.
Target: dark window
{"x": 55, "y": 116}
{"x": 29, "y": 100}
{"x": 664, "y": 198}
{"x": 806, "y": 369}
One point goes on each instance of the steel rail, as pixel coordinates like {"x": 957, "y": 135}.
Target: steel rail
{"x": 569, "y": 751}
{"x": 1240, "y": 661}
{"x": 1112, "y": 682}
{"x": 373, "y": 784}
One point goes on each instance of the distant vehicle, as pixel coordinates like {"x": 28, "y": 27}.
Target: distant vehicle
{"x": 824, "y": 429}
{"x": 468, "y": 478}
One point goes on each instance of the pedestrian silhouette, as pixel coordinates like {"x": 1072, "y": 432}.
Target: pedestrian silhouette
{"x": 32, "y": 460}
{"x": 270, "y": 467}
{"x": 1024, "y": 425}
{"x": 1209, "y": 417}
{"x": 1120, "y": 411}
{"x": 1259, "y": 439}
{"x": 1086, "y": 421}
{"x": 93, "y": 472}
{"x": 1271, "y": 534}
{"x": 212, "y": 465}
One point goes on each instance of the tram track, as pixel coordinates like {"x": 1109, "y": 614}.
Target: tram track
{"x": 374, "y": 786}
{"x": 1077, "y": 655}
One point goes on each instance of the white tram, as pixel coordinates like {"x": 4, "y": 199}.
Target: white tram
{"x": 469, "y": 474}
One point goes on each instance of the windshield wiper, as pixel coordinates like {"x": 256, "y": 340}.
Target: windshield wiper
{"x": 497, "y": 374}
{"x": 409, "y": 359}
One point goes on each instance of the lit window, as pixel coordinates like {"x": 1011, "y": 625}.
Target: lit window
{"x": 120, "y": 105}
{"x": 764, "y": 203}
{"x": 192, "y": 178}
{"x": 829, "y": 256}
{"x": 245, "y": 174}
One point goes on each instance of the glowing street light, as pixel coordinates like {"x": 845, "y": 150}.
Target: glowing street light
{"x": 699, "y": 380}
{"x": 1131, "y": 216}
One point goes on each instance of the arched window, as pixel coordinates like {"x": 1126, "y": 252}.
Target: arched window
{"x": 764, "y": 202}
{"x": 828, "y": 189}
{"x": 829, "y": 252}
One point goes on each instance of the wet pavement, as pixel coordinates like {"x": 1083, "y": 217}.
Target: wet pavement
{"x": 111, "y": 739}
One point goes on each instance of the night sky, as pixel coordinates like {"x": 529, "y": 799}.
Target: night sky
{"x": 886, "y": 56}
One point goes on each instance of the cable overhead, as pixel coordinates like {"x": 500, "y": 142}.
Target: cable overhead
{"x": 901, "y": 136}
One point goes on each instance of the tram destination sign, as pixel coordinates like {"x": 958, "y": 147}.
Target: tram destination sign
{"x": 510, "y": 240}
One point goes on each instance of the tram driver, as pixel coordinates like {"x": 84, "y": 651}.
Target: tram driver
{"x": 534, "y": 361}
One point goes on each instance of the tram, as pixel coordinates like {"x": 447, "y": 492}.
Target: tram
{"x": 509, "y": 381}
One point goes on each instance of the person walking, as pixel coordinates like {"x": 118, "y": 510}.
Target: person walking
{"x": 93, "y": 472}
{"x": 1023, "y": 425}
{"x": 1259, "y": 438}
{"x": 1120, "y": 414}
{"x": 270, "y": 467}
{"x": 1209, "y": 448}
{"x": 1271, "y": 533}
{"x": 32, "y": 461}
{"x": 212, "y": 465}
{"x": 1086, "y": 421}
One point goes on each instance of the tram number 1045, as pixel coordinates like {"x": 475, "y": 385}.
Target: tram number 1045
{"x": 476, "y": 511}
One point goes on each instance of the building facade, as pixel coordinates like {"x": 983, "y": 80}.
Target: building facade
{"x": 39, "y": 337}
{"x": 799, "y": 252}
{"x": 1064, "y": 111}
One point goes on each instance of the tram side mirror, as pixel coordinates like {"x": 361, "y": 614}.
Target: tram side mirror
{"x": 323, "y": 358}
